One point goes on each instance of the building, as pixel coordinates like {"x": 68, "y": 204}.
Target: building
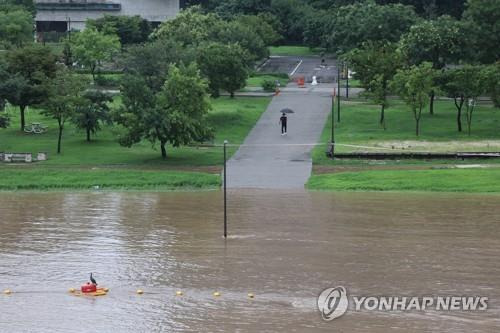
{"x": 65, "y": 15}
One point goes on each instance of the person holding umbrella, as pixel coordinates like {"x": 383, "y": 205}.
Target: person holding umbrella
{"x": 284, "y": 120}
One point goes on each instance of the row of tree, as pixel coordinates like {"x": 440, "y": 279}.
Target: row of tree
{"x": 164, "y": 83}
{"x": 175, "y": 113}
{"x": 383, "y": 69}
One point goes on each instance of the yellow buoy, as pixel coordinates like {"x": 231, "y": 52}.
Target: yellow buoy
{"x": 7, "y": 292}
{"x": 71, "y": 290}
{"x": 140, "y": 291}
{"x": 216, "y": 294}
{"x": 179, "y": 293}
{"x": 250, "y": 295}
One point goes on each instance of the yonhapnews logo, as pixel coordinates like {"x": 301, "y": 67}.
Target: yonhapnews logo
{"x": 334, "y": 302}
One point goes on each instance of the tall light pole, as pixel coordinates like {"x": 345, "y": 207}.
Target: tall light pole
{"x": 225, "y": 189}
{"x": 347, "y": 80}
{"x": 338, "y": 89}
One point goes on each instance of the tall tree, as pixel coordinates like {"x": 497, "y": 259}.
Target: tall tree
{"x": 28, "y": 5}
{"x": 482, "y": 19}
{"x": 91, "y": 47}
{"x": 261, "y": 25}
{"x": 190, "y": 27}
{"x": 23, "y": 82}
{"x": 439, "y": 41}
{"x": 175, "y": 115}
{"x": 92, "y": 112}
{"x": 65, "y": 95}
{"x": 354, "y": 24}
{"x": 414, "y": 85}
{"x": 130, "y": 29}
{"x": 491, "y": 75}
{"x": 151, "y": 61}
{"x": 225, "y": 66}
{"x": 375, "y": 64}
{"x": 470, "y": 86}
{"x": 16, "y": 28}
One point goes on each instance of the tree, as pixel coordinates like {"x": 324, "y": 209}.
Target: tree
{"x": 491, "y": 75}
{"x": 293, "y": 15}
{"x": 481, "y": 18}
{"x": 375, "y": 64}
{"x": 469, "y": 85}
{"x": 246, "y": 37}
{"x": 23, "y": 80}
{"x": 91, "y": 47}
{"x": 354, "y": 24}
{"x": 231, "y": 8}
{"x": 12, "y": 5}
{"x": 175, "y": 115}
{"x": 92, "y": 112}
{"x": 259, "y": 23}
{"x": 414, "y": 85}
{"x": 16, "y": 28}
{"x": 130, "y": 29}
{"x": 190, "y": 27}
{"x": 432, "y": 8}
{"x": 439, "y": 42}
{"x": 151, "y": 61}
{"x": 65, "y": 95}
{"x": 318, "y": 28}
{"x": 224, "y": 66}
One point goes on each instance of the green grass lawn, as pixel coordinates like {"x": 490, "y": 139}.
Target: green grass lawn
{"x": 353, "y": 83}
{"x": 293, "y": 50}
{"x": 359, "y": 126}
{"x": 231, "y": 119}
{"x": 51, "y": 179}
{"x": 450, "y": 180}
{"x": 257, "y": 80}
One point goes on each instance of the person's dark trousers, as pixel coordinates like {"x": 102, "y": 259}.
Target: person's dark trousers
{"x": 283, "y": 128}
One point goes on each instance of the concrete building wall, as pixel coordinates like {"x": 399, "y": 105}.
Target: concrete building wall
{"x": 151, "y": 10}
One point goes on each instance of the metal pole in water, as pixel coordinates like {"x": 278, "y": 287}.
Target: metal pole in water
{"x": 225, "y": 190}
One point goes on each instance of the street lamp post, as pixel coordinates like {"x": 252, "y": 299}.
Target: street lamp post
{"x": 225, "y": 189}
{"x": 338, "y": 89}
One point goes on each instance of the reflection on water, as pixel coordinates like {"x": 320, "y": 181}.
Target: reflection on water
{"x": 283, "y": 247}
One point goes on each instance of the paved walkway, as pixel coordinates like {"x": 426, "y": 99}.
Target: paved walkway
{"x": 267, "y": 165}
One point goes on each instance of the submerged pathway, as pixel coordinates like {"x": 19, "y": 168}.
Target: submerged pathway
{"x": 273, "y": 161}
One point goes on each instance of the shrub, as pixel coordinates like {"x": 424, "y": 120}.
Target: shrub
{"x": 268, "y": 85}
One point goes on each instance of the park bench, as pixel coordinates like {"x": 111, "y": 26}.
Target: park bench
{"x": 18, "y": 157}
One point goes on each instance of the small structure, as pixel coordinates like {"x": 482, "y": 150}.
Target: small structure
{"x": 18, "y": 157}
{"x": 23, "y": 157}
{"x": 42, "y": 156}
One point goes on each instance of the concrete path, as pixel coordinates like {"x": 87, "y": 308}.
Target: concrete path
{"x": 264, "y": 164}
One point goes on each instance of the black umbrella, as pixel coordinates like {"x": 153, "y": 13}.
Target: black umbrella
{"x": 287, "y": 110}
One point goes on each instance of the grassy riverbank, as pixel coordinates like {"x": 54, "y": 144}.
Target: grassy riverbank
{"x": 450, "y": 180}
{"x": 64, "y": 179}
{"x": 104, "y": 163}
{"x": 359, "y": 127}
{"x": 232, "y": 119}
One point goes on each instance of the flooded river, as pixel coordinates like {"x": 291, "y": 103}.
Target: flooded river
{"x": 283, "y": 247}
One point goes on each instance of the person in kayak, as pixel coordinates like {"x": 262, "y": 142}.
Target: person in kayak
{"x": 283, "y": 122}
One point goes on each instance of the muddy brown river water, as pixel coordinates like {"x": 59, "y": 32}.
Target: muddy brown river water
{"x": 283, "y": 247}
